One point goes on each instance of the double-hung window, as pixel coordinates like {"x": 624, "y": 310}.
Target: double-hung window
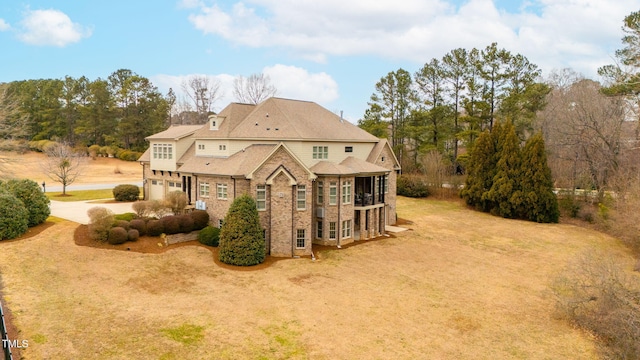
{"x": 300, "y": 238}
{"x": 261, "y": 197}
{"x": 333, "y": 193}
{"x": 222, "y": 191}
{"x": 302, "y": 197}
{"x": 204, "y": 189}
{"x": 320, "y": 190}
{"x": 332, "y": 230}
{"x": 346, "y": 229}
{"x": 346, "y": 192}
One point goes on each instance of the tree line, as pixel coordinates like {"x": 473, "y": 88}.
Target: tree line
{"x": 450, "y": 101}
{"x": 119, "y": 111}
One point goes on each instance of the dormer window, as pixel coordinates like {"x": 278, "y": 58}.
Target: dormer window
{"x": 215, "y": 122}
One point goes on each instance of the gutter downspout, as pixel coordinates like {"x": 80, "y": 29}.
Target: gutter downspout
{"x": 339, "y": 224}
{"x": 293, "y": 202}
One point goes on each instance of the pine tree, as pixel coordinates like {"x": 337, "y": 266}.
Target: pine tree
{"x": 537, "y": 185}
{"x": 241, "y": 239}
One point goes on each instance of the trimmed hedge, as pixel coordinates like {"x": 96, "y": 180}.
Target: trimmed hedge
{"x": 117, "y": 235}
{"x": 209, "y": 236}
{"x": 100, "y": 221}
{"x": 186, "y": 223}
{"x": 200, "y": 219}
{"x": 140, "y": 225}
{"x": 155, "y": 227}
{"x": 171, "y": 224}
{"x": 126, "y": 192}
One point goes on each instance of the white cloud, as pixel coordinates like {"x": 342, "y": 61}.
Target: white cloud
{"x": 551, "y": 33}
{"x": 291, "y": 82}
{"x": 51, "y": 27}
{"x": 4, "y": 25}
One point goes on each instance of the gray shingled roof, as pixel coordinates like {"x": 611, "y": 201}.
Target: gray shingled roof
{"x": 284, "y": 119}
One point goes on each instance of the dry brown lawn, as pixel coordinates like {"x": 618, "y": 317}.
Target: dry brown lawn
{"x": 458, "y": 285}
{"x": 100, "y": 170}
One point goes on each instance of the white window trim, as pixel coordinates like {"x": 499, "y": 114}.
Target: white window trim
{"x": 346, "y": 192}
{"x": 303, "y": 238}
{"x": 346, "y": 229}
{"x": 335, "y": 230}
{"x": 301, "y": 189}
{"x": 261, "y": 189}
{"x": 333, "y": 185}
{"x": 207, "y": 193}
{"x": 221, "y": 191}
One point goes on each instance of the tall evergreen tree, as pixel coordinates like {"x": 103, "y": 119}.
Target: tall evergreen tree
{"x": 505, "y": 191}
{"x": 241, "y": 239}
{"x": 539, "y": 200}
{"x": 481, "y": 169}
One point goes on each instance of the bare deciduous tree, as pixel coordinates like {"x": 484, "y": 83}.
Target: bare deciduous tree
{"x": 63, "y": 165}
{"x": 582, "y": 130}
{"x": 254, "y": 89}
{"x": 203, "y": 91}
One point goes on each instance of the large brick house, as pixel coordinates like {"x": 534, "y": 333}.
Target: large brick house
{"x": 316, "y": 178}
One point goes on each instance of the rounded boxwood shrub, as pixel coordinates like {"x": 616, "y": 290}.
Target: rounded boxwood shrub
{"x": 30, "y": 193}
{"x": 186, "y": 223}
{"x": 171, "y": 224}
{"x": 200, "y": 219}
{"x": 209, "y": 236}
{"x": 155, "y": 227}
{"x": 121, "y": 223}
{"x": 126, "y": 192}
{"x": 133, "y": 235}
{"x": 117, "y": 235}
{"x": 140, "y": 225}
{"x": 14, "y": 217}
{"x": 241, "y": 238}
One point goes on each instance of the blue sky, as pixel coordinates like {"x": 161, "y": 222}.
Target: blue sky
{"x": 331, "y": 51}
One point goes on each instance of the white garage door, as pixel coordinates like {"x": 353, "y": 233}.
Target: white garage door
{"x": 156, "y": 190}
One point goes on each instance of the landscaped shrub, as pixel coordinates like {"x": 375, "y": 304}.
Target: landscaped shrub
{"x": 133, "y": 235}
{"x": 200, "y": 219}
{"x": 140, "y": 225}
{"x": 128, "y": 155}
{"x": 155, "y": 227}
{"x": 126, "y": 192}
{"x": 117, "y": 235}
{"x": 100, "y": 221}
{"x": 14, "y": 217}
{"x": 141, "y": 208}
{"x": 158, "y": 208}
{"x": 30, "y": 193}
{"x": 241, "y": 238}
{"x": 186, "y": 223}
{"x": 94, "y": 151}
{"x": 209, "y": 236}
{"x": 171, "y": 224}
{"x": 121, "y": 223}
{"x": 126, "y": 216}
{"x": 412, "y": 186}
{"x": 177, "y": 201}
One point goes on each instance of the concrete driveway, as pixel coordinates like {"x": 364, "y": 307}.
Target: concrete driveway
{"x": 77, "y": 210}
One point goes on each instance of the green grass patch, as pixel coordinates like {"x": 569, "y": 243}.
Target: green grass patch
{"x": 39, "y": 339}
{"x": 81, "y": 195}
{"x": 185, "y": 333}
